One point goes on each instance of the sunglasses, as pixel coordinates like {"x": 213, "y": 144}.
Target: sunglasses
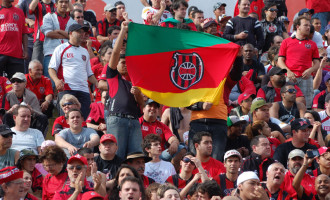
{"x": 273, "y": 10}
{"x": 187, "y": 160}
{"x": 68, "y": 104}
{"x": 16, "y": 81}
{"x": 7, "y": 135}
{"x": 291, "y": 90}
{"x": 78, "y": 167}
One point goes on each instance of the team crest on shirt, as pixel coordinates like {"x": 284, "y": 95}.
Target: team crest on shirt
{"x": 158, "y": 131}
{"x": 2, "y": 16}
{"x": 145, "y": 128}
{"x": 83, "y": 57}
{"x": 69, "y": 55}
{"x": 187, "y": 70}
{"x": 255, "y": 8}
{"x": 15, "y": 17}
{"x": 271, "y": 28}
{"x": 42, "y": 90}
{"x": 308, "y": 46}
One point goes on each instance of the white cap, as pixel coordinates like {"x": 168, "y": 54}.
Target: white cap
{"x": 245, "y": 176}
{"x": 232, "y": 153}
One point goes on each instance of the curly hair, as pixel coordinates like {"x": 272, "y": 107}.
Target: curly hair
{"x": 54, "y": 153}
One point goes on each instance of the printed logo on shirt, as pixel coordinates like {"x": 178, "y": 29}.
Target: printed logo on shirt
{"x": 69, "y": 55}
{"x": 158, "y": 131}
{"x": 42, "y": 90}
{"x": 308, "y": 46}
{"x": 83, "y": 57}
{"x": 255, "y": 8}
{"x": 2, "y": 16}
{"x": 145, "y": 128}
{"x": 326, "y": 128}
{"x": 15, "y": 17}
{"x": 9, "y": 27}
{"x": 271, "y": 28}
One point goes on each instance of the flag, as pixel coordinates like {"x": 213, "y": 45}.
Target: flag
{"x": 176, "y": 67}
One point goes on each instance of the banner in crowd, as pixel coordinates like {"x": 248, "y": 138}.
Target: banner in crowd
{"x": 178, "y": 67}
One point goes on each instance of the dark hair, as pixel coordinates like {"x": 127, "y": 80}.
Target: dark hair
{"x": 177, "y": 3}
{"x": 84, "y": 150}
{"x": 255, "y": 140}
{"x": 15, "y": 112}
{"x": 146, "y": 144}
{"x": 248, "y": 45}
{"x": 152, "y": 188}
{"x": 54, "y": 153}
{"x": 189, "y": 154}
{"x": 112, "y": 28}
{"x": 197, "y": 138}
{"x": 209, "y": 187}
{"x": 104, "y": 48}
{"x": 283, "y": 89}
{"x": 119, "y": 3}
{"x": 73, "y": 110}
{"x": 163, "y": 188}
{"x": 314, "y": 18}
{"x": 196, "y": 11}
{"x": 267, "y": 6}
{"x": 133, "y": 180}
{"x": 272, "y": 52}
{"x": 315, "y": 115}
{"x": 297, "y": 21}
{"x": 75, "y": 10}
{"x": 193, "y": 189}
{"x": 312, "y": 30}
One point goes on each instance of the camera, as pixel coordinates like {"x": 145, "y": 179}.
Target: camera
{"x": 313, "y": 153}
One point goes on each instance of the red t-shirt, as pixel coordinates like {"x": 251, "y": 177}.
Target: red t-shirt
{"x": 60, "y": 124}
{"x": 274, "y": 142}
{"x": 67, "y": 191}
{"x": 12, "y": 28}
{"x": 212, "y": 168}
{"x": 103, "y": 25}
{"x": 97, "y": 113}
{"x": 5, "y": 87}
{"x": 52, "y": 184}
{"x": 63, "y": 20}
{"x": 157, "y": 128}
{"x": 261, "y": 93}
{"x": 307, "y": 182}
{"x": 97, "y": 70}
{"x": 225, "y": 184}
{"x": 42, "y": 88}
{"x": 298, "y": 54}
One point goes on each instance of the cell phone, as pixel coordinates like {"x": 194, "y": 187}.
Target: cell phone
{"x": 246, "y": 31}
{"x": 313, "y": 153}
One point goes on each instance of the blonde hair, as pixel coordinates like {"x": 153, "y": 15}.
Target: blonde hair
{"x": 69, "y": 97}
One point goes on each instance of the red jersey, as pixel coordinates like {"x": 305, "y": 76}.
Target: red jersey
{"x": 178, "y": 182}
{"x": 157, "y": 128}
{"x": 96, "y": 114}
{"x": 60, "y": 124}
{"x": 307, "y": 182}
{"x": 37, "y": 180}
{"x": 298, "y": 54}
{"x": 274, "y": 142}
{"x": 147, "y": 181}
{"x": 212, "y": 168}
{"x": 97, "y": 70}
{"x": 103, "y": 25}
{"x": 261, "y": 93}
{"x": 41, "y": 89}
{"x": 94, "y": 61}
{"x": 5, "y": 87}
{"x": 225, "y": 184}
{"x": 52, "y": 184}
{"x": 30, "y": 197}
{"x": 67, "y": 191}
{"x": 255, "y": 7}
{"x": 12, "y": 28}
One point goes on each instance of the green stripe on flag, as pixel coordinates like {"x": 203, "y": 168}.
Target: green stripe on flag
{"x": 146, "y": 39}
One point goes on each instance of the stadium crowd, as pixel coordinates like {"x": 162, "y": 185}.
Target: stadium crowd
{"x": 268, "y": 136}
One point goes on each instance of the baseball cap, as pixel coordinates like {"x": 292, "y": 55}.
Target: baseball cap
{"x": 295, "y": 153}
{"x": 300, "y": 124}
{"x": 259, "y": 102}
{"x": 109, "y": 7}
{"x": 23, "y": 154}
{"x": 191, "y": 9}
{"x": 276, "y": 71}
{"x": 284, "y": 19}
{"x": 79, "y": 158}
{"x": 243, "y": 97}
{"x": 322, "y": 150}
{"x": 134, "y": 155}
{"x": 245, "y": 176}
{"x": 217, "y": 5}
{"x": 327, "y": 27}
{"x": 224, "y": 17}
{"x": 76, "y": 27}
{"x": 150, "y": 101}
{"x": 207, "y": 22}
{"x": 305, "y": 10}
{"x": 326, "y": 77}
{"x": 4, "y": 129}
{"x": 10, "y": 174}
{"x": 232, "y": 153}
{"x": 19, "y": 76}
{"x": 108, "y": 137}
{"x": 90, "y": 195}
{"x": 234, "y": 120}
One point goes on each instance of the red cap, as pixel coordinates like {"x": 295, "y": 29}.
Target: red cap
{"x": 242, "y": 97}
{"x": 79, "y": 158}
{"x": 322, "y": 150}
{"x": 10, "y": 174}
{"x": 108, "y": 137}
{"x": 91, "y": 194}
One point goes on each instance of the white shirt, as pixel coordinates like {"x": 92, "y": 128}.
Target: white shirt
{"x": 148, "y": 12}
{"x": 159, "y": 171}
{"x": 29, "y": 139}
{"x": 72, "y": 66}
{"x": 325, "y": 119}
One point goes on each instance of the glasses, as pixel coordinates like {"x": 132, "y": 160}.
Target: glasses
{"x": 78, "y": 167}
{"x": 68, "y": 104}
{"x": 80, "y": 17}
{"x": 273, "y": 10}
{"x": 7, "y": 135}
{"x": 51, "y": 166}
{"x": 187, "y": 160}
{"x": 291, "y": 90}
{"x": 16, "y": 81}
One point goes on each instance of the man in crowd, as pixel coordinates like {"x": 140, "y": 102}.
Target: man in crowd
{"x": 249, "y": 188}
{"x": 324, "y": 115}
{"x": 41, "y": 86}
{"x": 8, "y": 156}
{"x": 198, "y": 17}
{"x": 300, "y": 133}
{"x": 120, "y": 9}
{"x": 219, "y": 9}
{"x": 156, "y": 14}
{"x": 12, "y": 184}
{"x": 107, "y": 161}
{"x": 208, "y": 190}
{"x": 260, "y": 159}
{"x": 108, "y": 21}
{"x": 12, "y": 39}
{"x": 88, "y": 15}
{"x": 300, "y": 57}
{"x": 130, "y": 189}
{"x": 324, "y": 162}
{"x": 70, "y": 68}
{"x": 227, "y": 181}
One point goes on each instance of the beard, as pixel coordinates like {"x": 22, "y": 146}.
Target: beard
{"x": 280, "y": 82}
{"x": 295, "y": 168}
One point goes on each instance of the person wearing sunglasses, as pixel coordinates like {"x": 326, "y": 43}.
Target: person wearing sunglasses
{"x": 76, "y": 167}
{"x": 288, "y": 109}
{"x": 8, "y": 156}
{"x": 271, "y": 26}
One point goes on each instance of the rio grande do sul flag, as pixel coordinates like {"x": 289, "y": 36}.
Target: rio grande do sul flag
{"x": 176, "y": 67}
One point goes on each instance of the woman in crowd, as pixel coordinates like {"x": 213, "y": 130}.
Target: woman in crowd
{"x": 317, "y": 132}
{"x": 53, "y": 159}
{"x": 27, "y": 178}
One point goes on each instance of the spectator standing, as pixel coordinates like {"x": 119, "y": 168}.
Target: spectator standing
{"x": 89, "y": 15}
{"x": 13, "y": 36}
{"x": 109, "y": 20}
{"x": 156, "y": 14}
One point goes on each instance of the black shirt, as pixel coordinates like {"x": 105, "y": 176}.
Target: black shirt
{"x": 90, "y": 17}
{"x": 108, "y": 167}
{"x": 240, "y": 141}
